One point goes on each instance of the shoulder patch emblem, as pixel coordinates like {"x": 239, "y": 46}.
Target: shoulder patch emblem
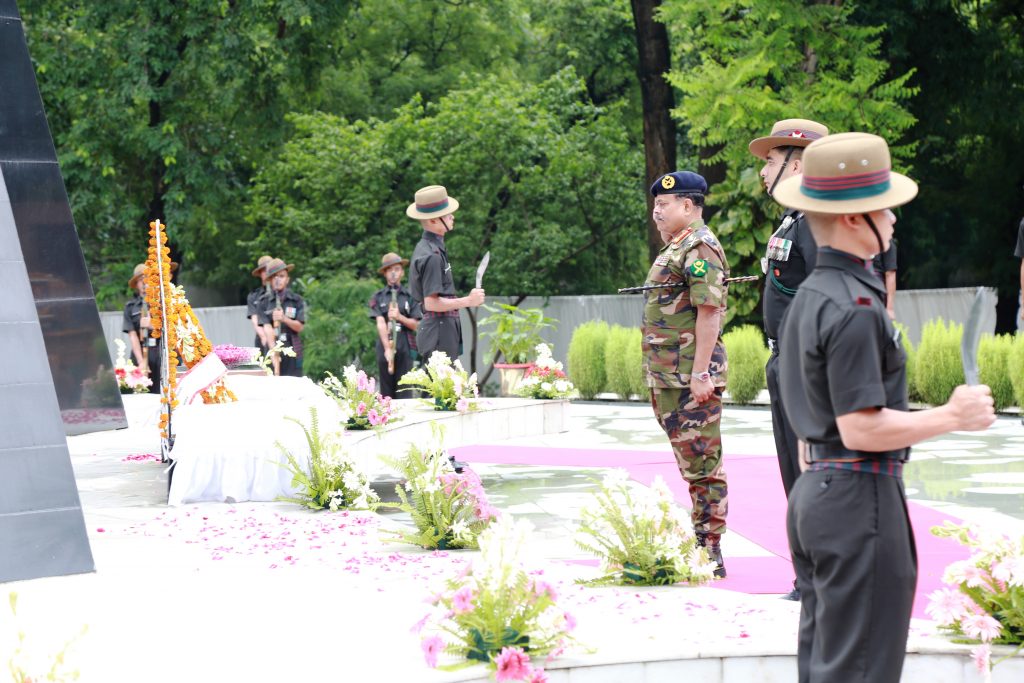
{"x": 863, "y": 301}
{"x": 699, "y": 267}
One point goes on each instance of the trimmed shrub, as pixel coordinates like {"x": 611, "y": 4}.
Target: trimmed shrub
{"x": 338, "y": 329}
{"x": 993, "y": 357}
{"x": 747, "y": 354}
{"x": 586, "y": 358}
{"x": 908, "y": 348}
{"x": 938, "y": 369}
{"x": 1015, "y": 368}
{"x": 623, "y": 362}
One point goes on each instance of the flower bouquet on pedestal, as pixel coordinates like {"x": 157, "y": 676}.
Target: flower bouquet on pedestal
{"x": 449, "y": 509}
{"x": 130, "y": 379}
{"x": 357, "y": 395}
{"x": 545, "y": 378}
{"x": 986, "y": 602}
{"x": 329, "y": 479}
{"x": 497, "y": 613}
{"x": 641, "y": 536}
{"x": 448, "y": 384}
{"x": 236, "y": 356}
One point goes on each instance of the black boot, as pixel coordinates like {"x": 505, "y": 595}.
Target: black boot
{"x": 794, "y": 594}
{"x": 710, "y": 544}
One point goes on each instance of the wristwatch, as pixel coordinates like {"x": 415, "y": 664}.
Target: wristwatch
{"x": 703, "y": 376}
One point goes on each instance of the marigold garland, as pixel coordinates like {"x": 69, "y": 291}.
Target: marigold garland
{"x": 185, "y": 336}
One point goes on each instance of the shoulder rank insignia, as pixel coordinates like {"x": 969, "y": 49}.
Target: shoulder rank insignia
{"x": 699, "y": 267}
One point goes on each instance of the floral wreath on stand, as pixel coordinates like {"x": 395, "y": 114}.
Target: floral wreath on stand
{"x": 184, "y": 336}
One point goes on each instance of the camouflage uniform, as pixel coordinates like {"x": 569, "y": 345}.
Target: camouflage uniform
{"x": 695, "y": 257}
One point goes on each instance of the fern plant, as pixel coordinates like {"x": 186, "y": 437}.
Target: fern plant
{"x": 449, "y": 509}
{"x": 327, "y": 479}
{"x": 641, "y": 537}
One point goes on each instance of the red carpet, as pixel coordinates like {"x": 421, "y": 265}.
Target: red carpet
{"x": 757, "y": 511}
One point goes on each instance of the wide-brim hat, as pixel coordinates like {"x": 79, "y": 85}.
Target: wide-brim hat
{"x": 431, "y": 202}
{"x": 788, "y": 133}
{"x": 391, "y": 259}
{"x": 277, "y": 265}
{"x": 843, "y": 174}
{"x": 140, "y": 270}
{"x": 261, "y": 265}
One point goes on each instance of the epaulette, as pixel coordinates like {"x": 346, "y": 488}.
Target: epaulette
{"x": 709, "y": 240}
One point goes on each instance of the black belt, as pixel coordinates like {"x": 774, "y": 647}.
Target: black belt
{"x": 836, "y": 452}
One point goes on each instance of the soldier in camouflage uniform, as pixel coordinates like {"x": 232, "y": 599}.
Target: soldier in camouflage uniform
{"x": 684, "y": 358}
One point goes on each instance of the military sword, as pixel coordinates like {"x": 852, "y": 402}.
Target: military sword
{"x": 481, "y": 269}
{"x": 676, "y": 285}
{"x": 971, "y": 338}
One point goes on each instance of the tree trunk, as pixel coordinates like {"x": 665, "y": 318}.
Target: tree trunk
{"x": 658, "y": 102}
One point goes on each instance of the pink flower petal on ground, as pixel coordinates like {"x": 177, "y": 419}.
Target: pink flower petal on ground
{"x": 100, "y": 529}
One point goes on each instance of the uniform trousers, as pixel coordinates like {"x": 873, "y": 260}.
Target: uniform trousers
{"x": 388, "y": 384}
{"x": 785, "y": 437}
{"x": 694, "y": 430}
{"x": 856, "y": 564}
{"x": 439, "y": 333}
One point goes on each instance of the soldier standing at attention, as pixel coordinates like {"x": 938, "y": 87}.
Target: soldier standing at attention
{"x": 789, "y": 259}
{"x": 252, "y": 310}
{"x": 683, "y": 353}
{"x": 283, "y": 317}
{"x": 843, "y": 380}
{"x": 396, "y": 315}
{"x": 430, "y": 277}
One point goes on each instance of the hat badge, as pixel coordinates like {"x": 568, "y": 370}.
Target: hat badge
{"x": 668, "y": 182}
{"x": 796, "y": 134}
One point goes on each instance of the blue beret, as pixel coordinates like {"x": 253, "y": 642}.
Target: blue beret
{"x": 680, "y": 182}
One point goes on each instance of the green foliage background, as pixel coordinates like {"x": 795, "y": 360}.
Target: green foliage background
{"x": 302, "y": 127}
{"x": 586, "y": 358}
{"x": 939, "y": 369}
{"x": 747, "y": 354}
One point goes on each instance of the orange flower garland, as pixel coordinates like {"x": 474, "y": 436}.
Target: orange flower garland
{"x": 184, "y": 334}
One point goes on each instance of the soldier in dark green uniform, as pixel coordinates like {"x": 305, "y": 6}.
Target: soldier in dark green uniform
{"x": 843, "y": 380}
{"x": 283, "y": 317}
{"x": 683, "y": 353}
{"x": 788, "y": 260}
{"x": 430, "y": 276}
{"x": 252, "y": 303}
{"x": 396, "y": 315}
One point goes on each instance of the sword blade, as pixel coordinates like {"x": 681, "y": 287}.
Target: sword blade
{"x": 481, "y": 269}
{"x": 972, "y": 337}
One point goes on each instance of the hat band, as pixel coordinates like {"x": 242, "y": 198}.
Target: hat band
{"x": 796, "y": 133}
{"x": 846, "y": 187}
{"x": 433, "y": 208}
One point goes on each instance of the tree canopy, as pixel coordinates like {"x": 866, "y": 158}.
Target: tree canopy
{"x": 302, "y": 127}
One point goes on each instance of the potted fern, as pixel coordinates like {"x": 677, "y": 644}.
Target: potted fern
{"x": 513, "y": 334}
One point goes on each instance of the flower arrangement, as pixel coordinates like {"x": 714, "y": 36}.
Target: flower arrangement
{"x": 545, "y": 378}
{"x": 236, "y": 356}
{"x": 184, "y": 335}
{"x": 357, "y": 395}
{"x": 449, "y": 385}
{"x": 130, "y": 379}
{"x": 986, "y": 601}
{"x": 641, "y": 536}
{"x": 497, "y": 613}
{"x": 265, "y": 361}
{"x": 329, "y": 479}
{"x": 449, "y": 509}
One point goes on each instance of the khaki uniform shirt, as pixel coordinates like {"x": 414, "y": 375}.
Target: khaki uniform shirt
{"x": 695, "y": 258}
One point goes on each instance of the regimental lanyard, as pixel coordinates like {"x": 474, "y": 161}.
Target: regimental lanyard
{"x": 778, "y": 246}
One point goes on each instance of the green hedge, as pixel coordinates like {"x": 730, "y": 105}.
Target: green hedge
{"x": 586, "y": 358}
{"x": 908, "y": 348}
{"x": 1015, "y": 367}
{"x": 623, "y": 363}
{"x": 747, "y": 355}
{"x": 993, "y": 356}
{"x": 938, "y": 369}
{"x": 338, "y": 329}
